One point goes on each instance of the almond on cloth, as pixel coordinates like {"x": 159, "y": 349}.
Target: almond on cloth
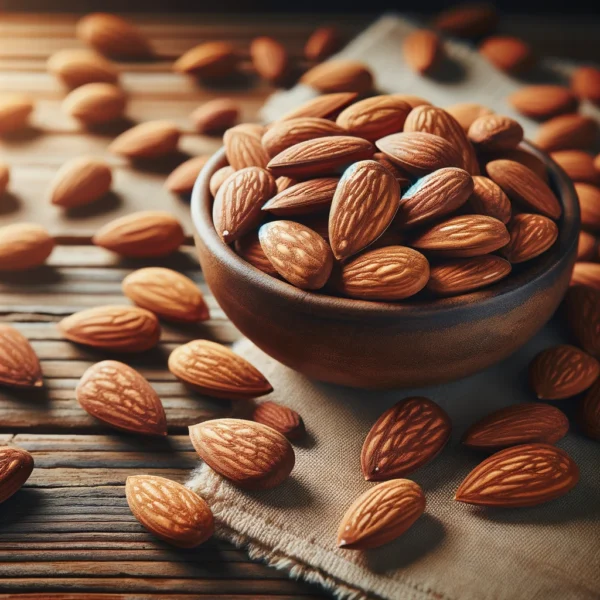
{"x": 19, "y": 364}
{"x": 322, "y": 43}
{"x": 422, "y": 50}
{"x": 280, "y": 418}
{"x": 586, "y": 273}
{"x": 325, "y": 106}
{"x": 95, "y": 103}
{"x": 215, "y": 116}
{"x": 582, "y": 309}
{"x": 183, "y": 178}
{"x": 211, "y": 60}
{"x": 339, "y": 75}
{"x": 467, "y": 20}
{"x": 495, "y": 132}
{"x": 589, "y": 413}
{"x": 530, "y": 236}
{"x": 16, "y": 466}
{"x": 150, "y": 140}
{"x": 585, "y": 83}
{"x": 269, "y": 58}
{"x": 507, "y": 53}
{"x": 489, "y": 199}
{"x": 543, "y": 101}
{"x": 302, "y": 198}
{"x": 567, "y": 132}
{"x": 15, "y": 110}
{"x": 78, "y": 66}
{"x": 80, "y": 181}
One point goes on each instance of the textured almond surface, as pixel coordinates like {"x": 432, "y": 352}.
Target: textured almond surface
{"x": 507, "y": 53}
{"x": 381, "y": 514}
{"x": 15, "y": 110}
{"x": 339, "y": 76}
{"x": 322, "y": 43}
{"x": 304, "y": 197}
{"x": 183, "y": 178}
{"x": 422, "y": 50}
{"x": 167, "y": 293}
{"x": 523, "y": 157}
{"x": 586, "y": 273}
{"x": 150, "y": 140}
{"x": 589, "y": 203}
{"x": 578, "y": 165}
{"x": 589, "y": 414}
{"x": 323, "y": 106}
{"x": 249, "y": 248}
{"x": 466, "y": 112}
{"x": 365, "y": 202}
{"x": 211, "y": 59}
{"x": 215, "y": 115}
{"x": 567, "y": 132}
{"x": 403, "y": 178}
{"x": 525, "y": 475}
{"x": 582, "y": 308}
{"x": 543, "y": 101}
{"x": 95, "y": 103}
{"x": 530, "y": 236}
{"x": 251, "y": 455}
{"x": 269, "y": 58}
{"x": 169, "y": 510}
{"x": 219, "y": 177}
{"x": 489, "y": 199}
{"x": 280, "y": 418}
{"x": 495, "y": 132}
{"x": 562, "y": 372}
{"x": 80, "y": 181}
{"x": 404, "y": 438}
{"x": 118, "y": 395}
{"x": 117, "y": 328}
{"x": 215, "y": 370}
{"x": 78, "y": 66}
{"x": 244, "y": 149}
{"x": 19, "y": 365}
{"x": 283, "y": 183}
{"x": 16, "y": 466}
{"x": 24, "y": 246}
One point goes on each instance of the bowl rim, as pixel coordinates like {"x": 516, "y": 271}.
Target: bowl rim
{"x": 508, "y": 291}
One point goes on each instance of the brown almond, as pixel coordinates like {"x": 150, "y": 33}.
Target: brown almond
{"x": 244, "y": 148}
{"x": 19, "y": 364}
{"x": 589, "y": 413}
{"x": 78, "y": 66}
{"x": 577, "y": 164}
{"x": 467, "y": 112}
{"x": 24, "y": 246}
{"x": 150, "y": 140}
{"x": 530, "y": 236}
{"x": 270, "y": 58}
{"x": 249, "y": 248}
{"x": 80, "y": 181}
{"x": 340, "y": 75}
{"x": 411, "y": 100}
{"x": 585, "y": 83}
{"x": 543, "y": 101}
{"x": 403, "y": 178}
{"x": 589, "y": 203}
{"x": 210, "y": 59}
{"x": 284, "y": 183}
{"x": 567, "y": 132}
{"x": 15, "y": 110}
{"x": 219, "y": 177}
{"x": 216, "y": 115}
{"x": 422, "y": 50}
{"x": 587, "y": 246}
{"x": 280, "y": 418}
{"x": 495, "y": 132}
{"x": 16, "y": 466}
{"x": 322, "y": 43}
{"x": 4, "y": 177}
{"x": 489, "y": 199}
{"x": 582, "y": 308}
{"x": 507, "y": 53}
{"x": 597, "y": 162}
{"x": 95, "y": 103}
{"x": 468, "y": 20}
{"x": 303, "y": 198}
{"x": 183, "y": 178}
{"x": 586, "y": 273}
{"x": 523, "y": 157}
{"x": 325, "y": 106}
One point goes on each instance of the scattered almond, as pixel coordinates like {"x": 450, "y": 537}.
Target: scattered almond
{"x": 210, "y": 60}
{"x": 78, "y": 66}
{"x": 304, "y": 197}
{"x": 16, "y": 466}
{"x": 15, "y": 110}
{"x": 80, "y": 181}
{"x": 422, "y": 50}
{"x": 524, "y": 158}
{"x": 95, "y": 103}
{"x": 322, "y": 43}
{"x": 19, "y": 364}
{"x": 270, "y": 58}
{"x": 216, "y": 115}
{"x": 150, "y": 140}
{"x": 467, "y": 112}
{"x": 219, "y": 177}
{"x": 495, "y": 132}
{"x": 24, "y": 246}
{"x": 577, "y": 164}
{"x": 589, "y": 413}
{"x": 586, "y": 273}
{"x": 509, "y": 54}
{"x": 543, "y": 101}
{"x": 340, "y": 75}
{"x": 567, "y": 132}
{"x": 183, "y": 178}
{"x": 589, "y": 203}
{"x": 582, "y": 307}
{"x": 585, "y": 83}
{"x": 530, "y": 236}
{"x": 280, "y": 418}
{"x": 587, "y": 246}
{"x": 468, "y": 20}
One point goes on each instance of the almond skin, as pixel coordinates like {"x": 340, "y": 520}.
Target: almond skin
{"x": 219, "y": 178}
{"x": 422, "y": 50}
{"x": 169, "y": 510}
{"x": 589, "y": 203}
{"x": 214, "y": 370}
{"x": 380, "y": 515}
{"x": 585, "y": 83}
{"x": 303, "y": 198}
{"x": 324, "y": 106}
{"x": 95, "y": 103}
{"x": 495, "y": 132}
{"x": 364, "y": 204}
{"x": 4, "y": 177}
{"x": 522, "y": 185}
{"x": 578, "y": 165}
{"x": 280, "y": 418}
{"x": 119, "y": 396}
{"x": 411, "y": 100}
{"x": 249, "y": 248}
{"x": 244, "y": 149}
{"x": 468, "y": 20}
{"x": 543, "y": 101}
{"x": 507, "y": 53}
{"x": 562, "y": 372}
{"x": 530, "y": 236}
{"x": 529, "y": 423}
{"x": 166, "y": 293}
{"x": 322, "y": 43}
{"x": 283, "y": 183}
{"x": 402, "y": 177}
{"x": 210, "y": 60}
{"x": 115, "y": 328}
{"x": 336, "y": 76}
{"x": 251, "y": 455}
{"x": 405, "y": 437}
{"x": 589, "y": 413}
{"x": 270, "y": 58}
{"x": 567, "y": 132}
{"x": 300, "y": 255}
{"x": 524, "y": 158}
{"x": 15, "y": 110}
{"x": 582, "y": 309}
{"x": 24, "y": 246}
{"x": 80, "y": 181}
{"x": 16, "y": 466}
{"x": 587, "y": 246}
{"x": 464, "y": 275}
{"x": 19, "y": 365}
{"x": 489, "y": 199}
{"x": 467, "y": 112}
{"x": 78, "y": 66}
{"x": 144, "y": 234}
{"x": 150, "y": 140}
{"x": 586, "y": 273}
{"x": 183, "y": 178}
{"x": 216, "y": 115}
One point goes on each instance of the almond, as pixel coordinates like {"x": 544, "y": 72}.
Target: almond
{"x": 509, "y": 54}
{"x": 495, "y": 132}
{"x": 589, "y": 203}
{"x": 525, "y": 475}
{"x": 464, "y": 236}
{"x": 95, "y": 103}
{"x": 80, "y": 181}
{"x": 115, "y": 328}
{"x": 530, "y": 236}
{"x": 113, "y": 36}
{"x": 523, "y": 157}
{"x": 280, "y": 418}
{"x": 78, "y": 66}
{"x": 375, "y": 117}
{"x": 567, "y": 132}
{"x": 577, "y": 164}
{"x": 304, "y": 197}
{"x": 529, "y": 423}
{"x": 300, "y": 255}
{"x": 411, "y": 100}
{"x": 284, "y": 134}
{"x": 405, "y": 437}
{"x": 24, "y": 246}
{"x": 401, "y": 176}
{"x": 15, "y": 110}
{"x": 586, "y": 273}
{"x": 143, "y": 234}
{"x": 389, "y": 273}
{"x": 19, "y": 365}
{"x": 435, "y": 195}
{"x": 582, "y": 307}
{"x": 216, "y": 115}
{"x": 166, "y": 293}
{"x": 183, "y": 178}
{"x": 562, "y": 372}
{"x": 237, "y": 206}
{"x": 418, "y": 152}
{"x": 325, "y": 106}
{"x": 16, "y": 466}
{"x": 522, "y": 185}
{"x": 249, "y": 248}
{"x": 270, "y": 58}
{"x": 466, "y": 112}
{"x": 214, "y": 370}
{"x": 585, "y": 83}
{"x": 380, "y": 515}
{"x": 210, "y": 60}
{"x": 464, "y": 275}
{"x": 364, "y": 204}
{"x": 587, "y": 246}
{"x": 422, "y": 50}
{"x": 150, "y": 140}
{"x": 169, "y": 510}
{"x": 589, "y": 413}
{"x": 339, "y": 76}
{"x": 119, "y": 396}
{"x": 468, "y": 20}
{"x": 320, "y": 156}
{"x": 284, "y": 183}
{"x": 254, "y": 129}
{"x": 489, "y": 199}
{"x": 244, "y": 149}
{"x": 543, "y": 101}
{"x": 219, "y": 178}
{"x": 322, "y": 43}
{"x": 4, "y": 177}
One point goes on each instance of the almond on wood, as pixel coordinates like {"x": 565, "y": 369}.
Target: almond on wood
{"x": 19, "y": 364}
{"x": 589, "y": 204}
{"x": 24, "y": 246}
{"x": 80, "y": 181}
{"x": 270, "y": 58}
{"x": 587, "y": 246}
{"x": 585, "y": 83}
{"x": 183, "y": 178}
{"x": 15, "y": 110}
{"x": 95, "y": 103}
{"x": 215, "y": 116}
{"x": 467, "y": 20}
{"x": 211, "y": 60}
{"x": 147, "y": 141}
{"x": 78, "y": 66}
{"x": 578, "y": 165}
{"x": 16, "y": 465}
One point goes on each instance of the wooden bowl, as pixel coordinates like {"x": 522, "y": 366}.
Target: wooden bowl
{"x": 385, "y": 345}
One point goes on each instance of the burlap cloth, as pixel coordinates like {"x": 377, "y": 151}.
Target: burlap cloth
{"x": 453, "y": 552}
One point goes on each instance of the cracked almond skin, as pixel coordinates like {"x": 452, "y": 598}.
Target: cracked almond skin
{"x": 325, "y": 106}
{"x": 24, "y": 246}
{"x": 340, "y": 75}
{"x": 182, "y": 179}
{"x": 589, "y": 413}
{"x": 523, "y": 186}
{"x": 211, "y": 60}
{"x": 524, "y": 475}
{"x": 422, "y": 50}
{"x": 251, "y": 455}
{"x": 467, "y": 112}
{"x": 169, "y": 510}
{"x": 495, "y": 132}
{"x": 16, "y": 466}
{"x": 166, "y": 293}
{"x": 405, "y": 437}
{"x": 489, "y": 199}
{"x": 19, "y": 364}
{"x": 80, "y": 181}
{"x": 582, "y": 308}
{"x": 380, "y": 515}
{"x": 215, "y": 370}
{"x": 280, "y": 418}
{"x": 238, "y": 203}
{"x": 364, "y": 204}
{"x": 529, "y": 423}
{"x": 116, "y": 328}
{"x": 249, "y": 248}
{"x": 464, "y": 275}
{"x": 118, "y": 395}
{"x": 244, "y": 149}
{"x": 543, "y": 101}
{"x": 147, "y": 141}
{"x": 562, "y": 372}
{"x": 299, "y": 254}
{"x": 530, "y": 236}
{"x": 303, "y": 198}
{"x": 390, "y": 273}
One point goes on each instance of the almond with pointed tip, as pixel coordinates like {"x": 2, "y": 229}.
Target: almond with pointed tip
{"x": 302, "y": 198}
{"x": 467, "y": 112}
{"x": 523, "y": 157}
{"x": 422, "y": 50}
{"x": 578, "y": 165}
{"x": 16, "y": 466}
{"x": 269, "y": 58}
{"x": 585, "y": 83}
{"x": 322, "y": 43}
{"x": 582, "y": 308}
{"x": 244, "y": 149}
{"x": 19, "y": 364}
{"x": 150, "y": 140}
{"x": 216, "y": 115}
{"x": 401, "y": 176}
{"x": 530, "y": 236}
{"x": 118, "y": 395}
{"x": 78, "y": 66}
{"x": 507, "y": 53}
{"x": 324, "y": 106}
{"x": 543, "y": 101}
{"x": 525, "y": 475}
{"x": 567, "y": 132}
{"x": 249, "y": 248}
{"x": 489, "y": 199}
{"x": 15, "y": 110}
{"x": 80, "y": 181}
{"x": 24, "y": 246}
{"x": 95, "y": 103}
{"x": 341, "y": 75}
{"x": 589, "y": 413}
{"x": 380, "y": 515}
{"x": 219, "y": 177}
{"x": 210, "y": 59}
{"x": 586, "y": 273}
{"x": 280, "y": 418}
{"x": 251, "y": 455}
{"x": 183, "y": 178}
{"x": 495, "y": 132}
{"x": 166, "y": 293}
